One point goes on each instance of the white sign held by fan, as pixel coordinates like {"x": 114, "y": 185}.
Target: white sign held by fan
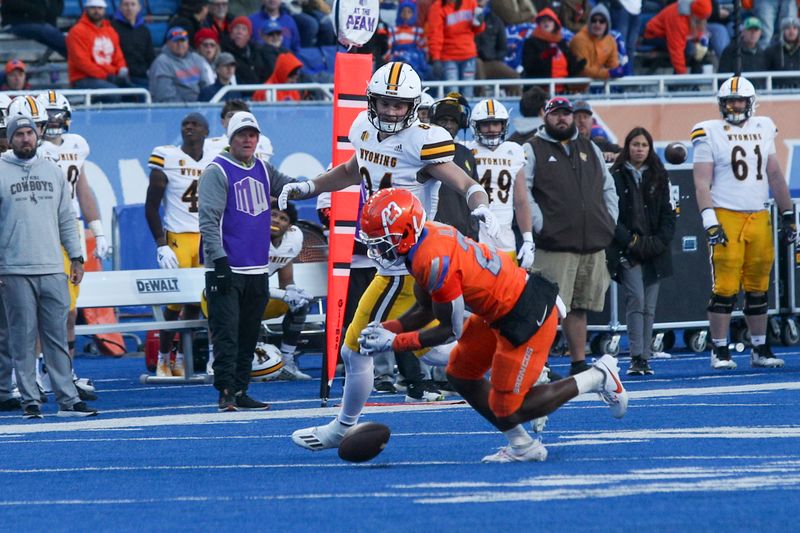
{"x": 355, "y": 21}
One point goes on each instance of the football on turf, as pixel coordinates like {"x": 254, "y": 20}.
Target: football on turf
{"x": 363, "y": 442}
{"x": 675, "y": 153}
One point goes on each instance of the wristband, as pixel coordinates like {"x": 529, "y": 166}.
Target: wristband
{"x": 709, "y": 217}
{"x": 393, "y": 325}
{"x": 406, "y": 342}
{"x": 788, "y": 215}
{"x": 527, "y": 236}
{"x": 97, "y": 228}
{"x": 475, "y": 188}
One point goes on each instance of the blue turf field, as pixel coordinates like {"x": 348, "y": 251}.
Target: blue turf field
{"x": 698, "y": 450}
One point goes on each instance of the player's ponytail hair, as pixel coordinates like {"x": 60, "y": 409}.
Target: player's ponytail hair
{"x": 656, "y": 173}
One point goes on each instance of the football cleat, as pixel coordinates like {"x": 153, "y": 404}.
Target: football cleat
{"x": 320, "y": 437}
{"x": 761, "y": 357}
{"x": 290, "y": 370}
{"x": 509, "y": 454}
{"x": 177, "y": 368}
{"x": 721, "y": 358}
{"x": 612, "y": 391}
{"x": 163, "y": 370}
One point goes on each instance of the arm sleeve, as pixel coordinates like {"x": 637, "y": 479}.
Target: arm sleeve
{"x": 157, "y": 159}
{"x": 213, "y": 194}
{"x": 609, "y": 188}
{"x": 119, "y": 58}
{"x": 676, "y": 45}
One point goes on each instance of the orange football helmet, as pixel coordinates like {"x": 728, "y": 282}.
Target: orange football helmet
{"x": 391, "y": 222}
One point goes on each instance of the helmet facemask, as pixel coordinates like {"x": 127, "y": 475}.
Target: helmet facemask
{"x": 383, "y": 249}
{"x": 732, "y": 116}
{"x": 493, "y": 140}
{"x": 383, "y": 123}
{"x": 57, "y": 123}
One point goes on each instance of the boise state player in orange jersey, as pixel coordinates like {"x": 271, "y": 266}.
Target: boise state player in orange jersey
{"x": 513, "y": 324}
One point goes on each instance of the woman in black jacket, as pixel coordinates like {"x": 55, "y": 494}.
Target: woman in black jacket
{"x": 639, "y": 256}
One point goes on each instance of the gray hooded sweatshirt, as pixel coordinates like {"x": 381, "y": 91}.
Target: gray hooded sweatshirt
{"x": 176, "y": 79}
{"x": 36, "y": 217}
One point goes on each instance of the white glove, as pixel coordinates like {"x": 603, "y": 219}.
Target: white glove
{"x": 375, "y": 338}
{"x": 166, "y": 257}
{"x": 295, "y": 297}
{"x": 484, "y": 214}
{"x": 101, "y": 246}
{"x": 525, "y": 254}
{"x": 295, "y": 191}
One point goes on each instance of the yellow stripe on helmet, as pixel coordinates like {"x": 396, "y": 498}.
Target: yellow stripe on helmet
{"x": 34, "y": 108}
{"x": 735, "y": 84}
{"x": 490, "y": 107}
{"x": 394, "y": 76}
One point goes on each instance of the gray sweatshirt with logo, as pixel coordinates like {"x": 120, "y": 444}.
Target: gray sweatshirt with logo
{"x": 36, "y": 217}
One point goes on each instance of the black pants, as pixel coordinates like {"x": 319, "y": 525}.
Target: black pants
{"x": 235, "y": 319}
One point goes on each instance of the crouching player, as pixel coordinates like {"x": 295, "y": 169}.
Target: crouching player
{"x": 510, "y": 332}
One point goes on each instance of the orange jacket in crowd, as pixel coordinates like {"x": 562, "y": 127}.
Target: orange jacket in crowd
{"x": 284, "y": 66}
{"x": 676, "y": 29}
{"x": 93, "y": 52}
{"x": 600, "y": 54}
{"x": 446, "y": 25}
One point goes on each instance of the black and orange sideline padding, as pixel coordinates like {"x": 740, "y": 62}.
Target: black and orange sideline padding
{"x": 351, "y": 76}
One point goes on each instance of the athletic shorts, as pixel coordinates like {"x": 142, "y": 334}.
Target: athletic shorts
{"x": 582, "y": 279}
{"x": 514, "y": 370}
{"x": 187, "y": 249}
{"x": 746, "y": 260}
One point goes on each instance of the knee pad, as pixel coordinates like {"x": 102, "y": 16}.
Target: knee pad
{"x": 755, "y": 303}
{"x": 721, "y": 304}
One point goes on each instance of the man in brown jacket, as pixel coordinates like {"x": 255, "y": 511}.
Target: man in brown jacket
{"x": 575, "y": 208}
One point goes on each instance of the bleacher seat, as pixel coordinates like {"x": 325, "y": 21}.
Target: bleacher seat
{"x": 313, "y": 58}
{"x": 330, "y": 56}
{"x": 72, "y": 9}
{"x": 157, "y": 31}
{"x": 165, "y": 8}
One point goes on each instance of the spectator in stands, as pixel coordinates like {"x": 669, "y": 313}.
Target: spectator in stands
{"x": 594, "y": 44}
{"x": 680, "y": 34}
{"x": 770, "y": 12}
{"x": 250, "y": 66}
{"x": 516, "y": 36}
{"x": 236, "y": 248}
{"x": 625, "y": 19}
{"x": 407, "y": 41}
{"x": 717, "y": 27}
{"x": 753, "y": 57}
{"x": 225, "y": 67}
{"x": 313, "y": 22}
{"x": 625, "y": 60}
{"x": 177, "y": 73}
{"x": 191, "y": 16}
{"x": 206, "y": 43}
{"x": 135, "y": 40}
{"x": 785, "y": 54}
{"x": 639, "y": 257}
{"x": 219, "y": 19}
{"x": 574, "y": 14}
{"x": 451, "y": 30}
{"x": 95, "y": 59}
{"x": 546, "y": 54}
{"x": 16, "y": 76}
{"x": 275, "y": 10}
{"x": 588, "y": 128}
{"x": 513, "y": 11}
{"x": 492, "y": 50}
{"x": 287, "y": 70}
{"x": 531, "y": 109}
{"x": 574, "y": 215}
{"x": 243, "y": 8}
{"x": 35, "y": 19}
{"x": 35, "y": 295}
{"x": 272, "y": 34}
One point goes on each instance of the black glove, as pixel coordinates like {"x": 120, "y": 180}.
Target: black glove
{"x": 219, "y": 280}
{"x": 788, "y": 228}
{"x": 716, "y": 235}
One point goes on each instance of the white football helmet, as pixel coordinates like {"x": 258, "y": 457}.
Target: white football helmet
{"x": 267, "y": 362}
{"x": 425, "y": 100}
{"x": 489, "y": 110}
{"x": 28, "y": 106}
{"x": 59, "y": 113}
{"x": 394, "y": 81}
{"x": 5, "y": 101}
{"x": 736, "y": 88}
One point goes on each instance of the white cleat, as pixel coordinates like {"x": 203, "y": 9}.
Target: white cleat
{"x": 509, "y": 454}
{"x": 612, "y": 391}
{"x": 762, "y": 357}
{"x": 320, "y": 437}
{"x": 721, "y": 358}
{"x": 290, "y": 372}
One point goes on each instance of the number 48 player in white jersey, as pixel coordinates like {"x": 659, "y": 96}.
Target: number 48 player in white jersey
{"x": 735, "y": 167}
{"x": 501, "y": 170}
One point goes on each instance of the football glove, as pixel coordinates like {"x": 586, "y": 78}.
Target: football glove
{"x": 484, "y": 214}
{"x": 375, "y": 339}
{"x": 526, "y": 252}
{"x": 295, "y": 191}
{"x": 166, "y": 257}
{"x": 716, "y": 235}
{"x": 788, "y": 228}
{"x": 295, "y": 297}
{"x": 101, "y": 246}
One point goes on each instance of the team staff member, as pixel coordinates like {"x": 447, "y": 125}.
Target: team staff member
{"x": 214, "y": 145}
{"x": 37, "y": 217}
{"x": 174, "y": 172}
{"x": 235, "y": 218}
{"x": 731, "y": 157}
{"x": 513, "y": 324}
{"x": 574, "y": 214}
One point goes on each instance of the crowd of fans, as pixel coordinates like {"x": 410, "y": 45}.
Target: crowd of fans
{"x": 213, "y": 43}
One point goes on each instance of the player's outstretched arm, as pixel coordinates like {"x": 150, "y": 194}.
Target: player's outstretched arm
{"x": 336, "y": 179}
{"x": 457, "y": 179}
